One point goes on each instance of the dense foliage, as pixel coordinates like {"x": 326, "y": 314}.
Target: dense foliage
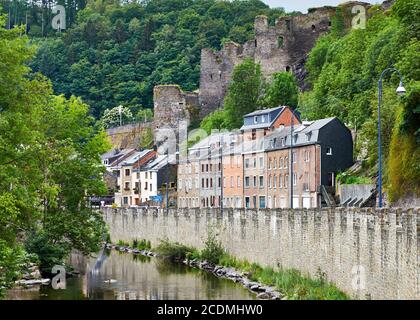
{"x": 249, "y": 91}
{"x": 344, "y": 72}
{"x": 49, "y": 165}
{"x": 114, "y": 54}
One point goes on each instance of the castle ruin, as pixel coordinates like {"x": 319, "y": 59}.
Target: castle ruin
{"x": 282, "y": 47}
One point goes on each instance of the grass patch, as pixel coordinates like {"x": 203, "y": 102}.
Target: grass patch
{"x": 121, "y": 243}
{"x": 141, "y": 244}
{"x": 290, "y": 282}
{"x": 174, "y": 251}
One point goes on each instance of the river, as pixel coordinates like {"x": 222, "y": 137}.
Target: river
{"x": 135, "y": 277}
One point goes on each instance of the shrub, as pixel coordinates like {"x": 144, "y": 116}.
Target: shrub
{"x": 49, "y": 253}
{"x": 213, "y": 250}
{"x": 174, "y": 251}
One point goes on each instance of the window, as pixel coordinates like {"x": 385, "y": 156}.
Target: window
{"x": 125, "y": 200}
{"x": 261, "y": 181}
{"x": 127, "y": 172}
{"x": 286, "y": 162}
{"x": 269, "y": 164}
{"x": 255, "y": 119}
{"x": 262, "y": 202}
{"x": 294, "y": 178}
{"x": 151, "y": 187}
{"x": 280, "y": 181}
{"x": 247, "y": 203}
{"x": 207, "y": 168}
{"x": 269, "y": 181}
{"x": 263, "y": 118}
{"x": 238, "y": 181}
{"x": 275, "y": 163}
{"x": 202, "y": 183}
{"x": 255, "y": 181}
{"x": 127, "y": 186}
{"x": 281, "y": 163}
{"x": 146, "y": 175}
{"x": 280, "y": 42}
{"x": 306, "y": 185}
{"x": 232, "y": 182}
{"x": 202, "y": 168}
{"x": 211, "y": 182}
{"x": 254, "y": 162}
{"x": 283, "y": 142}
{"x": 246, "y": 182}
{"x": 286, "y": 181}
{"x": 275, "y": 182}
{"x": 307, "y": 155}
{"x": 145, "y": 185}
{"x": 294, "y": 156}
{"x": 224, "y": 182}
{"x": 329, "y": 151}
{"x": 261, "y": 162}
{"x": 246, "y": 163}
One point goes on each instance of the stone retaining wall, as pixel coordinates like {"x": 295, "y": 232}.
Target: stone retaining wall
{"x": 369, "y": 254}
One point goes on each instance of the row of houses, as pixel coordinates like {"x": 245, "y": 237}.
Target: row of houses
{"x": 273, "y": 161}
{"x": 139, "y": 177}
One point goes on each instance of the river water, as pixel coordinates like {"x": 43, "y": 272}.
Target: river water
{"x": 121, "y": 276}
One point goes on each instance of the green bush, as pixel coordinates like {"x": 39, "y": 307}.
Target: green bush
{"x": 142, "y": 244}
{"x": 48, "y": 252}
{"x": 213, "y": 250}
{"x": 174, "y": 251}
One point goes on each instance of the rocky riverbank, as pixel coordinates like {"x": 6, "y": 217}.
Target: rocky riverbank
{"x": 263, "y": 292}
{"x": 31, "y": 277}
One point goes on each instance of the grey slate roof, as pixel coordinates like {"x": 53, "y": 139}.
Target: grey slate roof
{"x": 272, "y": 113}
{"x": 304, "y": 134}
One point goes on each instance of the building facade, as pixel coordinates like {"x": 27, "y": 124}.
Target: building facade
{"x": 268, "y": 164}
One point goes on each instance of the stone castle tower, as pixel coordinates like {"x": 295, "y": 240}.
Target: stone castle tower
{"x": 282, "y": 47}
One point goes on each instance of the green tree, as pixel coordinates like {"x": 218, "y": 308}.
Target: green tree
{"x": 244, "y": 92}
{"x": 215, "y": 120}
{"x": 283, "y": 90}
{"x": 116, "y": 116}
{"x": 49, "y": 163}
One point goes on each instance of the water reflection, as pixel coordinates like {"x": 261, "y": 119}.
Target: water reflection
{"x": 114, "y": 275}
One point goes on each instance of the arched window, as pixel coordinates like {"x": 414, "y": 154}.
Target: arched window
{"x": 280, "y": 42}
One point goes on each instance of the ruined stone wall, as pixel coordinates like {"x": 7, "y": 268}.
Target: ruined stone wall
{"x": 283, "y": 47}
{"x": 367, "y": 253}
{"x": 127, "y": 136}
{"x": 171, "y": 105}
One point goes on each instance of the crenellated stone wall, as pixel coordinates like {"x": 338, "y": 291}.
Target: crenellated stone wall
{"x": 370, "y": 254}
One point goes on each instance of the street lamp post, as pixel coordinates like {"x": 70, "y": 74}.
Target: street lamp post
{"x": 221, "y": 175}
{"x": 291, "y": 158}
{"x": 167, "y": 182}
{"x": 400, "y": 90}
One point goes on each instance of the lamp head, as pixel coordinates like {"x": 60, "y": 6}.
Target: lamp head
{"x": 401, "y": 90}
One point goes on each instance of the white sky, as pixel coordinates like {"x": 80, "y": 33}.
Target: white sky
{"x": 303, "y": 5}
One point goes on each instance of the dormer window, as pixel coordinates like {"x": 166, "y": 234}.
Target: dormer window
{"x": 308, "y": 136}
{"x": 255, "y": 119}
{"x": 295, "y": 137}
{"x": 263, "y": 119}
{"x": 329, "y": 151}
